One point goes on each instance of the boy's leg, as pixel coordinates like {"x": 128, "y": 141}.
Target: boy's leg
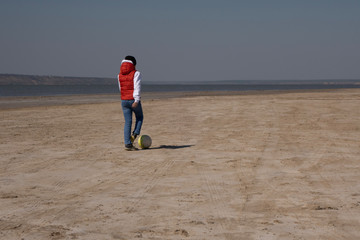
{"x": 139, "y": 119}
{"x": 127, "y": 111}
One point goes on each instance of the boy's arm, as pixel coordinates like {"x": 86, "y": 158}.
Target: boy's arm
{"x": 137, "y": 88}
{"x": 119, "y": 82}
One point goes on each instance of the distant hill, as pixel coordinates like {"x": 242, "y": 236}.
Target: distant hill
{"x": 15, "y": 79}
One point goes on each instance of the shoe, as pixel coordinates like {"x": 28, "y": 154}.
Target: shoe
{"x": 130, "y": 147}
{"x": 133, "y": 137}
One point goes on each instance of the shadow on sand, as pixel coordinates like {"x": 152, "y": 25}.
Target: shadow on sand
{"x": 171, "y": 147}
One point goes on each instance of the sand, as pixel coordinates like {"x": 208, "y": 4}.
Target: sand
{"x": 253, "y": 166}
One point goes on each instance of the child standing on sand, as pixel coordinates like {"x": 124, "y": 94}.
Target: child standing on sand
{"x": 129, "y": 80}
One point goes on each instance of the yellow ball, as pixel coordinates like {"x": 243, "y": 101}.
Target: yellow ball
{"x": 144, "y": 141}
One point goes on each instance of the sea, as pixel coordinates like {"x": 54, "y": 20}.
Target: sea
{"x": 63, "y": 90}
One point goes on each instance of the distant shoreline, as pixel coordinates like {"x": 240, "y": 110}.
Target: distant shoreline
{"x": 53, "y": 86}
{"x": 7, "y": 103}
{"x": 69, "y": 90}
{"x": 22, "y": 79}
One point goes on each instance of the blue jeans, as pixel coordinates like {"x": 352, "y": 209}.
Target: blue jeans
{"x": 128, "y": 110}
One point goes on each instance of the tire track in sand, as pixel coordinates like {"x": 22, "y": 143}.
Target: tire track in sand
{"x": 139, "y": 196}
{"x": 219, "y": 206}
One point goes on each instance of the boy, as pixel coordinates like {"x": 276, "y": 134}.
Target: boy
{"x": 129, "y": 80}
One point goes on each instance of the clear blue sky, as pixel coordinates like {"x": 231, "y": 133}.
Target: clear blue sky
{"x": 184, "y": 40}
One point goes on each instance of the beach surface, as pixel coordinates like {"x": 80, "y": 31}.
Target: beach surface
{"x": 248, "y": 166}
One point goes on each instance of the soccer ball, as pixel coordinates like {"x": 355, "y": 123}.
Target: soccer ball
{"x": 144, "y": 141}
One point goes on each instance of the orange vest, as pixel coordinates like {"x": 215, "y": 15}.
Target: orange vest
{"x": 126, "y": 79}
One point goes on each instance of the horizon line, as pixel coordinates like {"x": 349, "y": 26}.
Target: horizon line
{"x": 189, "y": 81}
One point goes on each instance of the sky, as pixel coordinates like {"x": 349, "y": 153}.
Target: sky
{"x": 183, "y": 40}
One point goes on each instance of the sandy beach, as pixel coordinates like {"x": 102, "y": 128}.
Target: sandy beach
{"x": 247, "y": 166}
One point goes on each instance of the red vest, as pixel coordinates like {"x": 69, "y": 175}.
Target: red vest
{"x": 126, "y": 79}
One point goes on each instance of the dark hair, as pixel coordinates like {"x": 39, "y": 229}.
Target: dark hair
{"x": 131, "y": 58}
